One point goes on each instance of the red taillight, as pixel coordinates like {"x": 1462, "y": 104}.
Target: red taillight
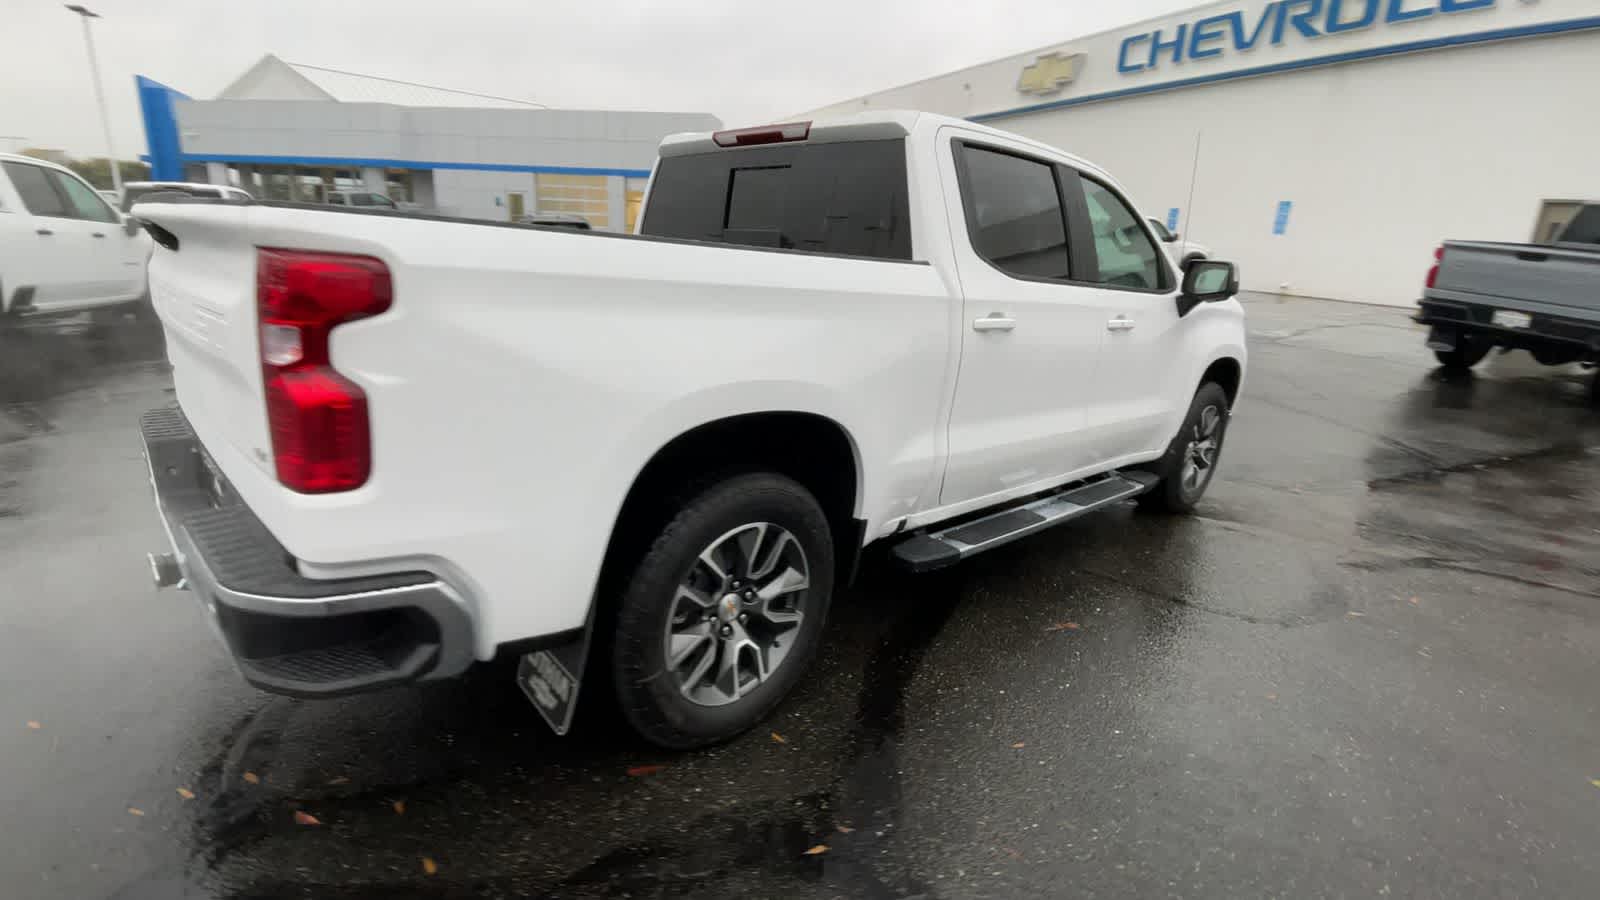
{"x": 321, "y": 439}
{"x": 1433, "y": 273}
{"x": 765, "y": 134}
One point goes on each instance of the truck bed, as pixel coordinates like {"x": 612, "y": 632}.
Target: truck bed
{"x": 520, "y": 369}
{"x": 1559, "y": 280}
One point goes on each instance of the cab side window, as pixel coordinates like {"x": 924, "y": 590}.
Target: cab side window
{"x": 38, "y": 194}
{"x": 1014, "y": 213}
{"x": 82, "y": 200}
{"x": 1127, "y": 256}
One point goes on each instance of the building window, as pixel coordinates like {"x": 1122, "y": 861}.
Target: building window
{"x": 398, "y": 182}
{"x": 588, "y": 196}
{"x": 635, "y": 203}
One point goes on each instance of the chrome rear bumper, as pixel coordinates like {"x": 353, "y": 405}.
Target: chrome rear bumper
{"x": 290, "y": 634}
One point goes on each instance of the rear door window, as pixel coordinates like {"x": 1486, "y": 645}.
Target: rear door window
{"x": 1014, "y": 213}
{"x": 38, "y": 194}
{"x": 848, "y": 198}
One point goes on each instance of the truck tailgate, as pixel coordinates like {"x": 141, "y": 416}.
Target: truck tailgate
{"x": 1540, "y": 278}
{"x": 207, "y": 306}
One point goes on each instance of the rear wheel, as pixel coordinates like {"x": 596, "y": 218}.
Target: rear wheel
{"x": 722, "y": 616}
{"x": 1191, "y": 459}
{"x": 1467, "y": 353}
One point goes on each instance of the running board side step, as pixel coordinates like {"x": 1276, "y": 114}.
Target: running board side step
{"x": 938, "y": 549}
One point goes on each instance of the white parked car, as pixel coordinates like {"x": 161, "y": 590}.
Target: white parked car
{"x": 1183, "y": 251}
{"x": 360, "y": 199}
{"x": 134, "y": 191}
{"x": 406, "y": 443}
{"x": 62, "y": 247}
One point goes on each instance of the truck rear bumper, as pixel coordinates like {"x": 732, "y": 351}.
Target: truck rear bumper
{"x": 290, "y": 634}
{"x": 1449, "y": 319}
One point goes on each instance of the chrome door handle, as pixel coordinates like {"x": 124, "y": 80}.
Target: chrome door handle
{"x": 994, "y": 322}
{"x": 1121, "y": 323}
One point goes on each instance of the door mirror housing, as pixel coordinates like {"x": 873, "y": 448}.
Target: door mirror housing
{"x": 1171, "y": 238}
{"x": 1207, "y": 281}
{"x": 131, "y": 225}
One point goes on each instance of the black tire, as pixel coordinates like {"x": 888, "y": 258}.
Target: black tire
{"x": 1174, "y": 494}
{"x": 651, "y": 696}
{"x": 1556, "y": 356}
{"x": 1467, "y": 354}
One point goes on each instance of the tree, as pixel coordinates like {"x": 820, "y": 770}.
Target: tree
{"x": 95, "y": 170}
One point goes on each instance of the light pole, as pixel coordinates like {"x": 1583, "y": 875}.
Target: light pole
{"x": 99, "y": 95}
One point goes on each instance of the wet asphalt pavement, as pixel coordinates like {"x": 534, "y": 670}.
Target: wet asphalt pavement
{"x": 1369, "y": 667}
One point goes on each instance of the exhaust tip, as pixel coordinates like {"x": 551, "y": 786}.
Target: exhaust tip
{"x": 164, "y": 569}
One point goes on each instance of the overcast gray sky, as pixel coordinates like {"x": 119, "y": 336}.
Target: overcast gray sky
{"x": 744, "y": 60}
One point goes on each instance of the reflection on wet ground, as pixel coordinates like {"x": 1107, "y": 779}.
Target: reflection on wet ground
{"x": 1367, "y": 667}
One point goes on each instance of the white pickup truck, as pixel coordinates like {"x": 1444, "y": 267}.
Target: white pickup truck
{"x": 63, "y": 249}
{"x": 407, "y": 442}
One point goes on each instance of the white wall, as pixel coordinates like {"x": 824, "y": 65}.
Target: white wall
{"x": 1382, "y": 157}
{"x": 472, "y": 194}
{"x": 1382, "y": 160}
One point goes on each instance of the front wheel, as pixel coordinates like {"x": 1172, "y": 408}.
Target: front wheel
{"x": 1191, "y": 459}
{"x": 723, "y": 614}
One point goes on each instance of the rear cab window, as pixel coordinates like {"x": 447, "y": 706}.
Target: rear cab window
{"x": 846, "y": 197}
{"x": 1584, "y": 227}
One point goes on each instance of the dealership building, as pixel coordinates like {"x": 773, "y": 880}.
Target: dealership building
{"x": 1326, "y": 146}
{"x": 287, "y": 131}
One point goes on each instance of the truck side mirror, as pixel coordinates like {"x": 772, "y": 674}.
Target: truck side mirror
{"x": 1207, "y": 281}
{"x": 131, "y": 225}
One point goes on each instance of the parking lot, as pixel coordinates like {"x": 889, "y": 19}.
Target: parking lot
{"x": 1367, "y": 668}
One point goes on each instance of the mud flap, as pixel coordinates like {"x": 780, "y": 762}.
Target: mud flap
{"x": 551, "y": 678}
{"x": 1442, "y": 339}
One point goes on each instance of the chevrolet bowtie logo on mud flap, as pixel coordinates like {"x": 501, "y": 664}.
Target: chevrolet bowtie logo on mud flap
{"x": 1050, "y": 73}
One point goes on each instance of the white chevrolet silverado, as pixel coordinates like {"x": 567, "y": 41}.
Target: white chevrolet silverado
{"x": 406, "y": 442}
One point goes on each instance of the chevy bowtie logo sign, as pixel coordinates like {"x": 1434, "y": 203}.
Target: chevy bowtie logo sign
{"x": 1050, "y": 73}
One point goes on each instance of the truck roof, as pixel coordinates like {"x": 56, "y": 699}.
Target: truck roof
{"x": 34, "y": 160}
{"x": 872, "y": 125}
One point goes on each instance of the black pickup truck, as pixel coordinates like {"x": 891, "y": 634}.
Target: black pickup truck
{"x": 1543, "y": 298}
